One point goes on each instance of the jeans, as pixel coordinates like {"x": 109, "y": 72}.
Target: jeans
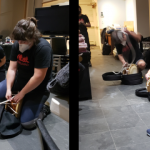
{"x": 32, "y": 102}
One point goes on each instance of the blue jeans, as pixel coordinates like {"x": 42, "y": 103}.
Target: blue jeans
{"x": 32, "y": 102}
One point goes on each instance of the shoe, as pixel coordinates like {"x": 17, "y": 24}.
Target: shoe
{"x": 148, "y": 132}
{"x": 90, "y": 65}
{"x": 45, "y": 110}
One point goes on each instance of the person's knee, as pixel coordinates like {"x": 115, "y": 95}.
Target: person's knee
{"x": 141, "y": 65}
{"x": 30, "y": 124}
{"x": 3, "y": 90}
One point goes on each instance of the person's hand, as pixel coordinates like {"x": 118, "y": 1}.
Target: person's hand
{"x": 8, "y": 94}
{"x": 125, "y": 64}
{"x": 127, "y": 31}
{"x": 82, "y": 22}
{"x": 147, "y": 76}
{"x": 18, "y": 97}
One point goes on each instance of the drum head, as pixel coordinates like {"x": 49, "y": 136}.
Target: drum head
{"x": 133, "y": 69}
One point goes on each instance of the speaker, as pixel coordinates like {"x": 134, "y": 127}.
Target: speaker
{"x": 59, "y": 45}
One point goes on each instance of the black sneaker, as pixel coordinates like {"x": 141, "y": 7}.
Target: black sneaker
{"x": 90, "y": 65}
{"x": 45, "y": 110}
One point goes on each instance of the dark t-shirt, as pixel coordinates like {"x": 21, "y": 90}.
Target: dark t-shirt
{"x": 85, "y": 18}
{"x": 39, "y": 56}
{"x": 126, "y": 49}
{"x": 2, "y": 54}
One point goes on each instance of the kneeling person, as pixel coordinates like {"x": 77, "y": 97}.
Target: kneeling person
{"x": 29, "y": 71}
{"x": 123, "y": 48}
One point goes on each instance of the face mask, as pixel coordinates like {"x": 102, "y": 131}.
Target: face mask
{"x": 23, "y": 47}
{"x": 119, "y": 34}
{"x": 123, "y": 43}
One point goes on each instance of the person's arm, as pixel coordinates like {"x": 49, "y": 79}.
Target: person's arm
{"x": 11, "y": 73}
{"x": 35, "y": 81}
{"x": 121, "y": 59}
{"x": 3, "y": 61}
{"x": 137, "y": 37}
{"x": 86, "y": 22}
{"x": 119, "y": 51}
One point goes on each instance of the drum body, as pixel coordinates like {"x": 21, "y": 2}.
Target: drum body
{"x": 16, "y": 107}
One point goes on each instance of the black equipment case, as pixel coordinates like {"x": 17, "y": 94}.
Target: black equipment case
{"x": 131, "y": 79}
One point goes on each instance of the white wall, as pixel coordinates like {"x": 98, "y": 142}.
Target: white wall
{"x": 64, "y": 3}
{"x": 131, "y": 14}
{"x": 48, "y": 3}
{"x": 114, "y": 12}
{"x": 129, "y": 10}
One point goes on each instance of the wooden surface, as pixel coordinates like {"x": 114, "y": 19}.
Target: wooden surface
{"x": 129, "y": 25}
{"x": 108, "y": 36}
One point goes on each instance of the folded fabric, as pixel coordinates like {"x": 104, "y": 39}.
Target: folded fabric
{"x": 82, "y": 50}
{"x": 80, "y": 35}
{"x": 82, "y": 44}
{"x": 81, "y": 39}
{"x": 82, "y": 47}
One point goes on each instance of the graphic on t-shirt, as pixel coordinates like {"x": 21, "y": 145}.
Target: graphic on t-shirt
{"x": 125, "y": 49}
{"x": 81, "y": 19}
{"x": 126, "y": 52}
{"x": 22, "y": 60}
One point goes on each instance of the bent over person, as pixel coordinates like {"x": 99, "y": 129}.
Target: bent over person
{"x": 125, "y": 43}
{"x": 29, "y": 71}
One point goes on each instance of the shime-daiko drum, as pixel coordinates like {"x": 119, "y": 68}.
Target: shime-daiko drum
{"x": 14, "y": 108}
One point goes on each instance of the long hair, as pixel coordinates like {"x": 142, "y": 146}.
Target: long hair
{"x": 26, "y": 30}
{"x": 115, "y": 38}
